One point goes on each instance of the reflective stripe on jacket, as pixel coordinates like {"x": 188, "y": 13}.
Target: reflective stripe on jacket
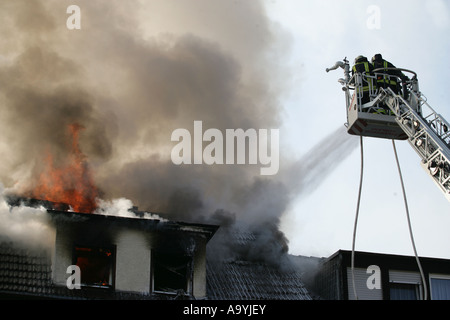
{"x": 367, "y": 82}
{"x": 386, "y": 79}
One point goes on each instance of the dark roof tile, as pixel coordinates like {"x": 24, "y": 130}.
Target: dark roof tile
{"x": 243, "y": 280}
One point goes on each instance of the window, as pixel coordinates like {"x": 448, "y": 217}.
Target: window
{"x": 171, "y": 272}
{"x": 440, "y": 287}
{"x": 405, "y": 285}
{"x": 404, "y": 291}
{"x": 96, "y": 265}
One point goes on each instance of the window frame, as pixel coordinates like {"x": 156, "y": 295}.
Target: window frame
{"x": 189, "y": 272}
{"x": 112, "y": 264}
{"x": 406, "y": 277}
{"x": 438, "y": 276}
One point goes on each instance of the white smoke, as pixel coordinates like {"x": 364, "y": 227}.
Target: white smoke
{"x": 25, "y": 225}
{"x": 122, "y": 207}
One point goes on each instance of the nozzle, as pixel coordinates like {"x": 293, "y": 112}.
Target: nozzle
{"x": 336, "y": 65}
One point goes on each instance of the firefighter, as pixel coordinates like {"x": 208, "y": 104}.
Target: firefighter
{"x": 361, "y": 66}
{"x": 391, "y": 77}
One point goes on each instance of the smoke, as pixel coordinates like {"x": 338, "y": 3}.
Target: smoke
{"x": 122, "y": 207}
{"x": 135, "y": 72}
{"x": 25, "y": 226}
{"x": 262, "y": 203}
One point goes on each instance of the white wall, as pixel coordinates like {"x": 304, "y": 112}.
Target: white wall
{"x": 62, "y": 258}
{"x": 132, "y": 261}
{"x": 199, "y": 290}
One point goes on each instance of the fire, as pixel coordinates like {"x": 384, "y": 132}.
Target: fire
{"x": 70, "y": 183}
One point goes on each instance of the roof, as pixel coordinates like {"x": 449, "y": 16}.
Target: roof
{"x": 92, "y": 219}
{"x": 23, "y": 271}
{"x": 26, "y": 273}
{"x": 243, "y": 277}
{"x": 244, "y": 280}
{"x": 406, "y": 262}
{"x": 60, "y": 215}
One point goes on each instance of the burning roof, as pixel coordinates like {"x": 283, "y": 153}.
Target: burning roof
{"x": 61, "y": 213}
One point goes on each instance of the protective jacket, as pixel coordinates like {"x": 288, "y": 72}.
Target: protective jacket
{"x": 361, "y": 66}
{"x": 390, "y": 77}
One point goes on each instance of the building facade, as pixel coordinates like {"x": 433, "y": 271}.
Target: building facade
{"x": 381, "y": 277}
{"x": 97, "y": 256}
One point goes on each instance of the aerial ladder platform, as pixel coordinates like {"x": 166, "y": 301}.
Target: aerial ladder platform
{"x": 401, "y": 115}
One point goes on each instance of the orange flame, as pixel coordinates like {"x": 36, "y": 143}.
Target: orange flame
{"x": 72, "y": 183}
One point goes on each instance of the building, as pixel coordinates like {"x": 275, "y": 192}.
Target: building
{"x": 138, "y": 258}
{"x": 381, "y": 277}
{"x": 97, "y": 256}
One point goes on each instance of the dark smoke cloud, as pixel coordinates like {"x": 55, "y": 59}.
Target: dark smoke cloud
{"x": 43, "y": 91}
{"x": 135, "y": 72}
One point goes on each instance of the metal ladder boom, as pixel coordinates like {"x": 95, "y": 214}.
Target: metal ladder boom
{"x": 428, "y": 133}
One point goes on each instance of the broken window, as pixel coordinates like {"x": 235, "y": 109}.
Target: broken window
{"x": 96, "y": 265}
{"x": 171, "y": 272}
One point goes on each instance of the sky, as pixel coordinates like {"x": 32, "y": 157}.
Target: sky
{"x": 410, "y": 34}
{"x": 137, "y": 71}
